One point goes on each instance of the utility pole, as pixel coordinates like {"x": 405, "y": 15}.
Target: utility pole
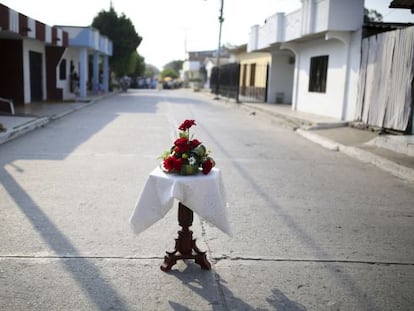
{"x": 221, "y": 19}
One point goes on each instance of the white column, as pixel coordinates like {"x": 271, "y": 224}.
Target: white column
{"x": 295, "y": 90}
{"x": 296, "y": 49}
{"x": 83, "y": 72}
{"x": 105, "y": 74}
{"x": 308, "y": 16}
{"x": 95, "y": 78}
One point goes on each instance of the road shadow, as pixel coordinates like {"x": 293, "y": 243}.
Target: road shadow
{"x": 220, "y": 296}
{"x": 56, "y": 148}
{"x": 343, "y": 279}
{"x": 83, "y": 271}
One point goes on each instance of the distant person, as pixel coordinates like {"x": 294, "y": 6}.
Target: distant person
{"x": 74, "y": 82}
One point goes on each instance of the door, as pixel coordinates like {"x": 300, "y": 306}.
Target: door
{"x": 36, "y": 77}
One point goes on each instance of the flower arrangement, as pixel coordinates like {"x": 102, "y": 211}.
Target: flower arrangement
{"x": 187, "y": 156}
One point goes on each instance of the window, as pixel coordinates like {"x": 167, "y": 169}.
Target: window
{"x": 318, "y": 74}
{"x": 244, "y": 75}
{"x": 62, "y": 69}
{"x": 252, "y": 74}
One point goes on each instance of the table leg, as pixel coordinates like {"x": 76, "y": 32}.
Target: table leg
{"x": 185, "y": 245}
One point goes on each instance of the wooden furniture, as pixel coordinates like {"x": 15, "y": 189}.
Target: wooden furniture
{"x": 200, "y": 194}
{"x": 185, "y": 245}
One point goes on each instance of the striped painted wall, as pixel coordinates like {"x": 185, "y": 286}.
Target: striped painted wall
{"x": 15, "y": 24}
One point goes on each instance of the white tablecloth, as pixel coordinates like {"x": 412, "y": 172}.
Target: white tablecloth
{"x": 203, "y": 194}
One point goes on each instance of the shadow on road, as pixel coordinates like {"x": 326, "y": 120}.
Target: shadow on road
{"x": 192, "y": 277}
{"x": 344, "y": 280}
{"x": 56, "y": 145}
{"x": 84, "y": 272}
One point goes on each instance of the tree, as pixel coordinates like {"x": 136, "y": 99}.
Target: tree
{"x": 125, "y": 40}
{"x": 151, "y": 71}
{"x": 176, "y": 65}
{"x": 169, "y": 72}
{"x": 136, "y": 66}
{"x": 372, "y": 16}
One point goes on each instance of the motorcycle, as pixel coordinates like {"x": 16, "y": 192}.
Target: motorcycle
{"x": 124, "y": 83}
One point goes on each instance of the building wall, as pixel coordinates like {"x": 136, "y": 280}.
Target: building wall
{"x": 281, "y": 77}
{"x": 351, "y": 94}
{"x": 314, "y": 16}
{"x": 11, "y": 62}
{"x": 39, "y": 47}
{"x": 260, "y": 59}
{"x": 345, "y": 15}
{"x": 253, "y": 68}
{"x": 53, "y": 59}
{"x": 71, "y": 55}
{"x": 328, "y": 103}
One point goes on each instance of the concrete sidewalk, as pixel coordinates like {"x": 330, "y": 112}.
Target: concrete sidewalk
{"x": 32, "y": 116}
{"x": 391, "y": 153}
{"x": 394, "y": 154}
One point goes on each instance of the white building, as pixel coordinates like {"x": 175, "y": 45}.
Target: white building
{"x": 85, "y": 42}
{"x": 315, "y": 56}
{"x": 38, "y": 60}
{"x": 198, "y": 66}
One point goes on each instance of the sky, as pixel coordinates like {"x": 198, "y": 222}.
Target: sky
{"x": 171, "y": 27}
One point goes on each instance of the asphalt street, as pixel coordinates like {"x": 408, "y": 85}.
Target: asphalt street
{"x": 313, "y": 229}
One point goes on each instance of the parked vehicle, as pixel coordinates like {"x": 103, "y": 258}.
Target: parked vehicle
{"x": 124, "y": 83}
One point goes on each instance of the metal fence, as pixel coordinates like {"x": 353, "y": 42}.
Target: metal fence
{"x": 254, "y": 79}
{"x": 228, "y": 77}
{"x": 253, "y": 83}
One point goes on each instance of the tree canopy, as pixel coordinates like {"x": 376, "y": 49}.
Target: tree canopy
{"x": 176, "y": 65}
{"x": 172, "y": 69}
{"x": 372, "y": 16}
{"x": 125, "y": 40}
{"x": 151, "y": 71}
{"x": 169, "y": 72}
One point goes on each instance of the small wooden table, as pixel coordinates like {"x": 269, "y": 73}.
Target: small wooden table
{"x": 185, "y": 245}
{"x": 202, "y": 194}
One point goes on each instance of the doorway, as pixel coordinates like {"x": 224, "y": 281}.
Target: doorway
{"x": 36, "y": 77}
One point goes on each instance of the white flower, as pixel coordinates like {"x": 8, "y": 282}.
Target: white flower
{"x": 192, "y": 160}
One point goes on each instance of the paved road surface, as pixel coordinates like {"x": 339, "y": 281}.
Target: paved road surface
{"x": 314, "y": 229}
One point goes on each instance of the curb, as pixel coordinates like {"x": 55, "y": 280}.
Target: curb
{"x": 395, "y": 169}
{"x": 324, "y": 142}
{"x": 23, "y": 129}
{"x": 304, "y": 128}
{"x": 42, "y": 121}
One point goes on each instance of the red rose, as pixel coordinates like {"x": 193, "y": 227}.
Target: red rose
{"x": 178, "y": 163}
{"x": 207, "y": 166}
{"x": 186, "y": 125}
{"x": 169, "y": 163}
{"x": 173, "y": 163}
{"x": 194, "y": 143}
{"x": 181, "y": 145}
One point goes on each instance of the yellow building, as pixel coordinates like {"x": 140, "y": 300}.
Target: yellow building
{"x": 254, "y": 70}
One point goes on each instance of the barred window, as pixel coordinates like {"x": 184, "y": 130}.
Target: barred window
{"x": 252, "y": 74}
{"x": 62, "y": 69}
{"x": 318, "y": 74}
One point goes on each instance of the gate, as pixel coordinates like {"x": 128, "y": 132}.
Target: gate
{"x": 228, "y": 80}
{"x": 254, "y": 82}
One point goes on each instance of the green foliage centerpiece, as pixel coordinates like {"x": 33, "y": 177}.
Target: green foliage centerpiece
{"x": 188, "y": 156}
